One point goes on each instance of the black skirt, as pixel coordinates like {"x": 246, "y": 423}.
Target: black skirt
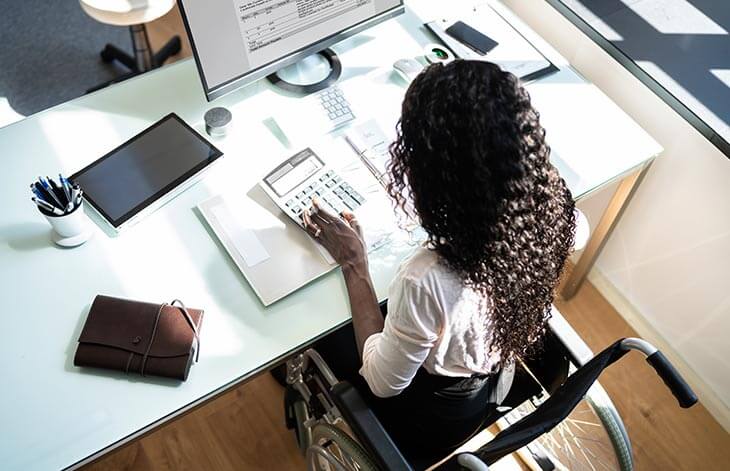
{"x": 431, "y": 417}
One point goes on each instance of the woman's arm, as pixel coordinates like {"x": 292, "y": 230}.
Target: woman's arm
{"x": 392, "y": 358}
{"x": 392, "y": 351}
{"x": 366, "y": 316}
{"x": 343, "y": 239}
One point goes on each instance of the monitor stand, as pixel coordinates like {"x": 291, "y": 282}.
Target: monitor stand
{"x": 311, "y": 74}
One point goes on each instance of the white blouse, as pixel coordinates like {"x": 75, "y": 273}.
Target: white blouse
{"x": 433, "y": 321}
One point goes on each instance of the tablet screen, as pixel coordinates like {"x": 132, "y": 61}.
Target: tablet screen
{"x": 144, "y": 169}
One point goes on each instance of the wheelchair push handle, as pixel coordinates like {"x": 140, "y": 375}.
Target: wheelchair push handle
{"x": 666, "y": 371}
{"x": 672, "y": 379}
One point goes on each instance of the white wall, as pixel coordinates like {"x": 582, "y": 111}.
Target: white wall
{"x": 669, "y": 256}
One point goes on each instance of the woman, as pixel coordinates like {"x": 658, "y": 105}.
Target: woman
{"x": 470, "y": 164}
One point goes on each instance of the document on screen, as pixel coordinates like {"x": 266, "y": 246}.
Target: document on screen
{"x": 275, "y": 28}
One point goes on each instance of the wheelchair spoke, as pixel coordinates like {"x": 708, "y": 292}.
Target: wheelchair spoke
{"x": 580, "y": 442}
{"x": 320, "y": 458}
{"x": 583, "y": 422}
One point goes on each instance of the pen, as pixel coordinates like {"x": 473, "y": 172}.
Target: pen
{"x": 66, "y": 188}
{"x": 37, "y": 193}
{"x": 77, "y": 201}
{"x": 44, "y": 194}
{"x": 67, "y": 192}
{"x": 75, "y": 194}
{"x": 49, "y": 190}
{"x": 47, "y": 207}
{"x": 57, "y": 190}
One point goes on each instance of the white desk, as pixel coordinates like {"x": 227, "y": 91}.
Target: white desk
{"x": 53, "y": 415}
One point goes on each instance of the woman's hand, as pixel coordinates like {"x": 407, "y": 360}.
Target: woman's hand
{"x": 341, "y": 236}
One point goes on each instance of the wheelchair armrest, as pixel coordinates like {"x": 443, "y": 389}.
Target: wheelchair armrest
{"x": 576, "y": 348}
{"x": 367, "y": 427}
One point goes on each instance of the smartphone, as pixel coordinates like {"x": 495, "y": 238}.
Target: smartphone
{"x": 472, "y": 38}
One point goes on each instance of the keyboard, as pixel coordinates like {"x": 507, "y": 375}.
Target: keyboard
{"x": 335, "y": 195}
{"x": 319, "y": 113}
{"x": 335, "y": 106}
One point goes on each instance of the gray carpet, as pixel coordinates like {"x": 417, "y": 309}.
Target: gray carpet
{"x": 49, "y": 52}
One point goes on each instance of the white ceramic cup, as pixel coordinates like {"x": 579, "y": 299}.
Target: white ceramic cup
{"x": 70, "y": 229}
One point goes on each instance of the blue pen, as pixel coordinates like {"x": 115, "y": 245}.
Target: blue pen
{"x": 48, "y": 189}
{"x": 39, "y": 190}
{"x": 58, "y": 192}
{"x": 37, "y": 193}
{"x": 40, "y": 197}
{"x": 67, "y": 193}
{"x": 64, "y": 185}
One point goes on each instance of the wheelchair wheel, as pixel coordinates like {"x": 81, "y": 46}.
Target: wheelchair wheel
{"x": 606, "y": 411}
{"x": 302, "y": 416}
{"x": 592, "y": 437}
{"x": 333, "y": 449}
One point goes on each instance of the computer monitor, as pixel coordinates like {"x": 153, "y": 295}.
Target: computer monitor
{"x": 236, "y": 42}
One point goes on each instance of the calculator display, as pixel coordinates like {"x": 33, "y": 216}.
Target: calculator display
{"x": 294, "y": 172}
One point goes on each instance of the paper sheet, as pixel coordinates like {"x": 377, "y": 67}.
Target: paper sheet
{"x": 371, "y": 143}
{"x": 513, "y": 53}
{"x": 244, "y": 238}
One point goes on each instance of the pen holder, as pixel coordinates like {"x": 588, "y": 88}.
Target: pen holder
{"x": 69, "y": 230}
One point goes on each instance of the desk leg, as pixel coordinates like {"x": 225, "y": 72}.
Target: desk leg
{"x": 619, "y": 202}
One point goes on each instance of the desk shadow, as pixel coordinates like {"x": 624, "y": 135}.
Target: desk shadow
{"x": 27, "y": 237}
{"x": 112, "y": 374}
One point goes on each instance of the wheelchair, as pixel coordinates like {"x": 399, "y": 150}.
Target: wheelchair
{"x": 555, "y": 416}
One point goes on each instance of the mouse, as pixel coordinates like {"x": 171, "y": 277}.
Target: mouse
{"x": 408, "y": 69}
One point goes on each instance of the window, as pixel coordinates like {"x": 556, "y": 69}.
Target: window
{"x": 679, "y": 48}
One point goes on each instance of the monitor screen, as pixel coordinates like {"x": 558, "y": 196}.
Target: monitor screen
{"x": 234, "y": 39}
{"x": 144, "y": 169}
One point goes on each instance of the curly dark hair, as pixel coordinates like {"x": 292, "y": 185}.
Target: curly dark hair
{"x": 470, "y": 163}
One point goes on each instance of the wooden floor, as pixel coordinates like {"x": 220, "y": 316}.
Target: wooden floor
{"x": 162, "y": 29}
{"x": 244, "y": 429}
{"x": 241, "y": 430}
{"x": 664, "y": 436}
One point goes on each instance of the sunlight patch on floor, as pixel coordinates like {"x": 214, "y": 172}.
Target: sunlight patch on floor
{"x": 7, "y": 114}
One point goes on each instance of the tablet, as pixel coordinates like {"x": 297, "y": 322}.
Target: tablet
{"x": 145, "y": 169}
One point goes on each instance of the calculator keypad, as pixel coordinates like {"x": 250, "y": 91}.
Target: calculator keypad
{"x": 335, "y": 195}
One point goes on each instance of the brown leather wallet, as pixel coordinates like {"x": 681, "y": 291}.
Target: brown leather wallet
{"x": 145, "y": 338}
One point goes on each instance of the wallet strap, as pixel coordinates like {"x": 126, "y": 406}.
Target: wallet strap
{"x": 187, "y": 316}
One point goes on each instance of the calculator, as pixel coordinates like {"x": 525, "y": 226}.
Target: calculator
{"x": 294, "y": 183}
